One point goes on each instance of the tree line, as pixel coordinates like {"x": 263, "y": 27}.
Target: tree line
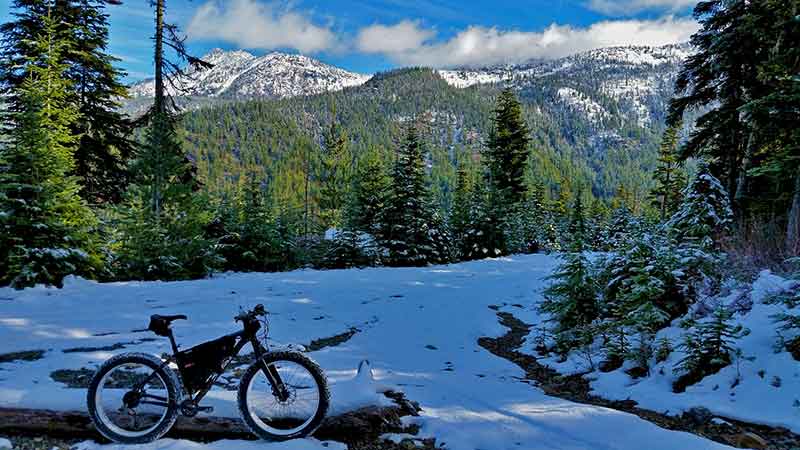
{"x": 86, "y": 190}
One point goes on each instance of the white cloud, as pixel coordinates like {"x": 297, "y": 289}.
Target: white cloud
{"x": 479, "y": 45}
{"x": 254, "y": 25}
{"x": 630, "y": 7}
{"x": 404, "y": 36}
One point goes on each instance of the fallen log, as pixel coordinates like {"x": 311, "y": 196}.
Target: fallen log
{"x": 363, "y": 423}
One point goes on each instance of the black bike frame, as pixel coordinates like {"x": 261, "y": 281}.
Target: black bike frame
{"x": 247, "y": 335}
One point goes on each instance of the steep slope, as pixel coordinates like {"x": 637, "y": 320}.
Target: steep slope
{"x": 241, "y": 74}
{"x": 570, "y": 151}
{"x": 637, "y": 79}
{"x": 595, "y": 118}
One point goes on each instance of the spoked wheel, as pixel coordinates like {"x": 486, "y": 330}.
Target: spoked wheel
{"x": 132, "y": 399}
{"x": 294, "y": 407}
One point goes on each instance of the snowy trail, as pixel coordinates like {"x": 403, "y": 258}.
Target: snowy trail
{"x": 418, "y": 327}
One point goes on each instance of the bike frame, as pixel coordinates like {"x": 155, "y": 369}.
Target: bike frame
{"x": 243, "y": 337}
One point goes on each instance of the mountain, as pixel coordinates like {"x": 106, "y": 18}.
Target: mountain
{"x": 596, "y": 119}
{"x": 239, "y": 74}
{"x": 638, "y": 78}
{"x": 631, "y": 83}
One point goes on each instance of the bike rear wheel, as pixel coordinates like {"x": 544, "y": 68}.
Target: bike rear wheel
{"x": 294, "y": 412}
{"x": 132, "y": 399}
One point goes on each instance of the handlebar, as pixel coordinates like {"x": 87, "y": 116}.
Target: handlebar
{"x": 244, "y": 316}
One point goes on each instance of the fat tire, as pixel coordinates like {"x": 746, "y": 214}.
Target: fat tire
{"x": 173, "y": 386}
{"x": 315, "y": 371}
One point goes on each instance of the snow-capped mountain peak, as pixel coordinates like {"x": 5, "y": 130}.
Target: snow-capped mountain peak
{"x": 239, "y": 73}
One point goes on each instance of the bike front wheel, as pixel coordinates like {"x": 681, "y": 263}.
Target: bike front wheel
{"x": 283, "y": 396}
{"x": 133, "y": 398}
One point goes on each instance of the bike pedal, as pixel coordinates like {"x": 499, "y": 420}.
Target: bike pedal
{"x": 205, "y": 409}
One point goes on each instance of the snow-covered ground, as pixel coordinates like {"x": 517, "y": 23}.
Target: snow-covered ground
{"x": 418, "y": 328}
{"x": 761, "y": 386}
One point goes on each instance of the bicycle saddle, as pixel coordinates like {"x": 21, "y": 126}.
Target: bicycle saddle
{"x": 160, "y": 324}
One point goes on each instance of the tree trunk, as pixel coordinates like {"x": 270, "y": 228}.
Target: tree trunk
{"x": 349, "y": 426}
{"x": 741, "y": 184}
{"x": 793, "y": 221}
{"x": 159, "y": 58}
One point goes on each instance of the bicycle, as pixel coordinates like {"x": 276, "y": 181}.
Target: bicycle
{"x": 135, "y": 398}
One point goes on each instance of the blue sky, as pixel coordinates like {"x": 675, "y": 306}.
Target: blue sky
{"x": 372, "y": 35}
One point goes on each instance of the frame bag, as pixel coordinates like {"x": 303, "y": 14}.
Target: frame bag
{"x": 201, "y": 362}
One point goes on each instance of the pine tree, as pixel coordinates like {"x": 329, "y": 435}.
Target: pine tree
{"x": 46, "y": 226}
{"x": 708, "y": 347}
{"x": 720, "y": 75}
{"x": 252, "y": 240}
{"x": 484, "y": 236}
{"x": 705, "y": 216}
{"x": 525, "y": 229}
{"x": 335, "y": 178}
{"x": 162, "y": 220}
{"x": 95, "y": 87}
{"x": 411, "y": 234}
{"x": 774, "y": 114}
{"x": 369, "y": 195}
{"x": 571, "y": 299}
{"x": 622, "y": 227}
{"x": 576, "y": 231}
{"x": 597, "y": 224}
{"x": 669, "y": 177}
{"x": 507, "y": 151}
{"x": 104, "y": 148}
{"x": 460, "y": 212}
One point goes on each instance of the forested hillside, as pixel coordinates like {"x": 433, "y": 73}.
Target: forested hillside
{"x": 602, "y": 154}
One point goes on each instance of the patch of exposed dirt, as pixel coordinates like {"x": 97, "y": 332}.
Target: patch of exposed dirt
{"x": 28, "y": 355}
{"x": 575, "y": 388}
{"x": 341, "y": 338}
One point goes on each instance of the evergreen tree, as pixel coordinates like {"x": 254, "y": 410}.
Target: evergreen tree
{"x": 720, "y": 75}
{"x": 576, "y": 231}
{"x": 708, "y": 347}
{"x": 622, "y": 227}
{"x": 507, "y": 151}
{"x": 162, "y": 221}
{"x": 484, "y": 236}
{"x": 571, "y": 299}
{"x": 349, "y": 249}
{"x": 369, "y": 195}
{"x": 252, "y": 239}
{"x": 411, "y": 234}
{"x": 669, "y": 177}
{"x": 596, "y": 224}
{"x": 774, "y": 114}
{"x": 460, "y": 212}
{"x": 526, "y": 229}
{"x": 335, "y": 177}
{"x": 45, "y": 227}
{"x": 705, "y": 216}
{"x": 95, "y": 87}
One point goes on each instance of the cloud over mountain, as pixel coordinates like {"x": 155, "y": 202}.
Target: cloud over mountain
{"x": 256, "y": 25}
{"x": 478, "y": 45}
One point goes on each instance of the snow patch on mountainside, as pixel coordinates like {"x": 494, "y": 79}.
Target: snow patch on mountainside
{"x": 241, "y": 74}
{"x": 583, "y": 103}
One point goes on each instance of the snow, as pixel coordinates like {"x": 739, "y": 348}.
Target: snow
{"x": 582, "y": 103}
{"x": 239, "y": 73}
{"x": 418, "y": 327}
{"x": 752, "y": 398}
{"x": 5, "y": 443}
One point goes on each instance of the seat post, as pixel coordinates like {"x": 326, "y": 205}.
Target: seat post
{"x": 172, "y": 341}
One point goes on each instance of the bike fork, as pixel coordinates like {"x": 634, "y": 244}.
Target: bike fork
{"x": 278, "y": 387}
